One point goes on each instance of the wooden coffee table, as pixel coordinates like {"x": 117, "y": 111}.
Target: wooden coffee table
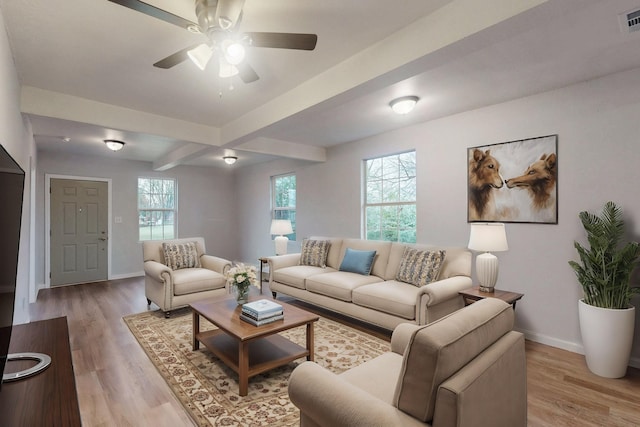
{"x": 250, "y": 350}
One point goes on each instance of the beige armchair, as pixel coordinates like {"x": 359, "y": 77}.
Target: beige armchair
{"x": 467, "y": 369}
{"x": 188, "y": 274}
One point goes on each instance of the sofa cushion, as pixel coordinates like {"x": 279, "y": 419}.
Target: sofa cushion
{"x": 335, "y": 250}
{"x": 382, "y": 249}
{"x": 356, "y": 261}
{"x": 338, "y": 284}
{"x": 191, "y": 280}
{"x": 438, "y": 350}
{"x": 314, "y": 252}
{"x": 181, "y": 255}
{"x": 420, "y": 267}
{"x": 295, "y": 276}
{"x": 396, "y": 298}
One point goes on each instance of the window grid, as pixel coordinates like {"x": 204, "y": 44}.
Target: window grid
{"x": 283, "y": 202}
{"x": 390, "y": 198}
{"x": 157, "y": 211}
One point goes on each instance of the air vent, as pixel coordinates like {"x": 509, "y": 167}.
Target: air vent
{"x": 630, "y": 21}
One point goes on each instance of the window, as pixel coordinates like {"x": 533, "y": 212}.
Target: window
{"x": 390, "y": 198}
{"x": 156, "y": 208}
{"x": 283, "y": 191}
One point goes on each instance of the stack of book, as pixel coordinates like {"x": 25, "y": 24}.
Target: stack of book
{"x": 261, "y": 312}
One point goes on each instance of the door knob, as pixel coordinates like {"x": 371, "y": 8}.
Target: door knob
{"x": 102, "y": 238}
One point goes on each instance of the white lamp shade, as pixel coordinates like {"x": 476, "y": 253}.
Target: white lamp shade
{"x": 281, "y": 227}
{"x": 227, "y": 70}
{"x": 200, "y": 55}
{"x": 488, "y": 237}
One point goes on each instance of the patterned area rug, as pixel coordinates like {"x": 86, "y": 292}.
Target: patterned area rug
{"x": 209, "y": 390}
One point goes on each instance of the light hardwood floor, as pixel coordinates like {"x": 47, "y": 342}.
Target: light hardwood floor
{"x": 118, "y": 386}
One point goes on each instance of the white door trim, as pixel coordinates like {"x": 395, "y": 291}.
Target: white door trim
{"x": 47, "y": 221}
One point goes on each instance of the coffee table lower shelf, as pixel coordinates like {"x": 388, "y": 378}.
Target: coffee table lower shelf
{"x": 259, "y": 355}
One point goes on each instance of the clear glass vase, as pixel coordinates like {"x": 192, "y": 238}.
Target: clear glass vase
{"x": 242, "y": 293}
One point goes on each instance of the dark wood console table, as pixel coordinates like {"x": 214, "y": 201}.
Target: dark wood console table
{"x": 50, "y": 397}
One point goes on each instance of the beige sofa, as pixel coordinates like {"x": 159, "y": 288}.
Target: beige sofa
{"x": 467, "y": 369}
{"x": 174, "y": 288}
{"x": 377, "y": 298}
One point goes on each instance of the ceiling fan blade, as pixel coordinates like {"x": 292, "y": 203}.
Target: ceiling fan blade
{"x": 176, "y": 58}
{"x": 154, "y": 12}
{"x": 283, "y": 40}
{"x": 247, "y": 73}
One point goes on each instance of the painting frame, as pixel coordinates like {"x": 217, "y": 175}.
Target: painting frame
{"x": 514, "y": 181}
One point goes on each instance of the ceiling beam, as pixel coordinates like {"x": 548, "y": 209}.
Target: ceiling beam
{"x": 284, "y": 149}
{"x": 58, "y": 105}
{"x": 180, "y": 156}
{"x": 457, "y": 20}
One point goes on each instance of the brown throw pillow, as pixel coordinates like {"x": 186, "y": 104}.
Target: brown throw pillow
{"x": 419, "y": 267}
{"x": 181, "y": 255}
{"x": 314, "y": 253}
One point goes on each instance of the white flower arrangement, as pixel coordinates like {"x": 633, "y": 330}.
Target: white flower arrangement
{"x": 241, "y": 276}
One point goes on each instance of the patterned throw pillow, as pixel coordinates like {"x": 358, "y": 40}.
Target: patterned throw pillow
{"x": 314, "y": 252}
{"x": 181, "y": 255}
{"x": 420, "y": 267}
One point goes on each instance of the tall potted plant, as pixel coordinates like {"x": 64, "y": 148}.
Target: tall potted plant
{"x": 606, "y": 315}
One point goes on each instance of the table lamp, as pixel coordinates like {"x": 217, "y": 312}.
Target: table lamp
{"x": 281, "y": 227}
{"x": 487, "y": 238}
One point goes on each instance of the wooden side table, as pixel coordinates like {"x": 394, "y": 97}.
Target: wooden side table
{"x": 263, "y": 261}
{"x": 474, "y": 294}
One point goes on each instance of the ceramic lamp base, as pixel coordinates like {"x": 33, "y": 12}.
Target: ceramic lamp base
{"x": 487, "y": 271}
{"x": 281, "y": 244}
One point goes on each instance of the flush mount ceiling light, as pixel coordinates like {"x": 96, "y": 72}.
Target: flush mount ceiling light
{"x": 114, "y": 145}
{"x": 229, "y": 159}
{"x": 404, "y": 104}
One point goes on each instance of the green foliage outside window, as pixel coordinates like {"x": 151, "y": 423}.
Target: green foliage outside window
{"x": 284, "y": 200}
{"x": 390, "y": 198}
{"x": 156, "y": 208}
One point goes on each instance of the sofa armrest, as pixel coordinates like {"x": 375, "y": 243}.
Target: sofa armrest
{"x": 443, "y": 290}
{"x": 215, "y": 263}
{"x": 328, "y": 400}
{"x": 282, "y": 261}
{"x": 401, "y": 336}
{"x": 156, "y": 270}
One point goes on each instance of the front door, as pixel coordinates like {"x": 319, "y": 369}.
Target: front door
{"x": 79, "y": 215}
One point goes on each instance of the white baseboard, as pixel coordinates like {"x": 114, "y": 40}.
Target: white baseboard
{"x": 565, "y": 345}
{"x": 126, "y": 275}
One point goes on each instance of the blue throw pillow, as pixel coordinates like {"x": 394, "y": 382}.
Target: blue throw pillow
{"x": 357, "y": 261}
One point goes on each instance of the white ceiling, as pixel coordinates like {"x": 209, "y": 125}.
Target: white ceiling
{"x": 86, "y": 71}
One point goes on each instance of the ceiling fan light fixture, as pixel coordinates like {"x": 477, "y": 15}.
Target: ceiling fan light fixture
{"x": 404, "y": 104}
{"x": 200, "y": 55}
{"x": 234, "y": 52}
{"x": 114, "y": 145}
{"x": 229, "y": 159}
{"x": 226, "y": 69}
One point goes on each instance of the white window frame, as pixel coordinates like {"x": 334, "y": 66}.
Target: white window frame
{"x": 292, "y": 210}
{"x": 366, "y": 233}
{"x": 174, "y": 210}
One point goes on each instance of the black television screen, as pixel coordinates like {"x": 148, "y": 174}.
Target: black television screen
{"x": 11, "y": 191}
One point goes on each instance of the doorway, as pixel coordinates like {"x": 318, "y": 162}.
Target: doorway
{"x": 78, "y": 224}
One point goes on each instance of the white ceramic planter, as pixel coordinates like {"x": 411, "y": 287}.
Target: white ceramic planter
{"x": 607, "y": 336}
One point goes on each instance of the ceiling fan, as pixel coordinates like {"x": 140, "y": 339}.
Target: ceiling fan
{"x": 219, "y": 21}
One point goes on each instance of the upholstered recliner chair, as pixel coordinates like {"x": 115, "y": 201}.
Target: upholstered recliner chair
{"x": 467, "y": 369}
{"x": 178, "y": 272}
